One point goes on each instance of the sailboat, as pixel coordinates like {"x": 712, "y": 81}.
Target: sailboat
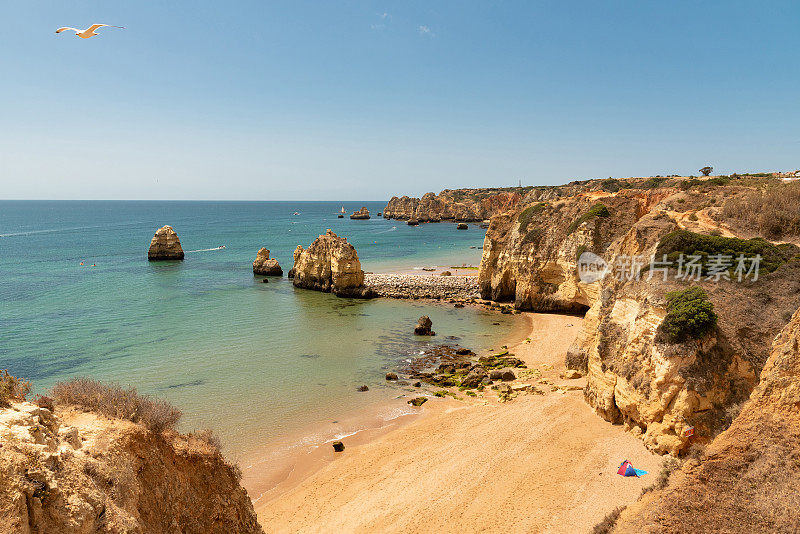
{"x": 342, "y": 211}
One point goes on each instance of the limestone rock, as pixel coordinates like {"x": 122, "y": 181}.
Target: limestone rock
{"x": 266, "y": 266}
{"x": 74, "y": 472}
{"x": 462, "y": 226}
{"x": 468, "y": 205}
{"x": 391, "y": 376}
{"x": 423, "y": 327}
{"x": 445, "y": 273}
{"x": 418, "y": 401}
{"x": 165, "y": 245}
{"x": 363, "y": 213}
{"x": 330, "y": 264}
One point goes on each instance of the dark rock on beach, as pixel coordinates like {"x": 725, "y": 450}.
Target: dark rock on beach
{"x": 418, "y": 401}
{"x": 363, "y": 388}
{"x": 391, "y": 376}
{"x": 338, "y": 446}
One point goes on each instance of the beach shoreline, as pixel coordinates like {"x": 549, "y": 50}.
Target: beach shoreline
{"x": 546, "y": 456}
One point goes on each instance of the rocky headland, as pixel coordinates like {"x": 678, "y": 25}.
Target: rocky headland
{"x": 72, "y": 471}
{"x": 265, "y": 266}
{"x": 460, "y": 205}
{"x": 668, "y": 383}
{"x": 165, "y": 245}
{"x": 330, "y": 264}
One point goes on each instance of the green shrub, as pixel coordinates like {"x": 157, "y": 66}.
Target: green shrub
{"x": 690, "y": 315}
{"x": 12, "y": 388}
{"x": 653, "y": 183}
{"x": 525, "y": 216}
{"x": 611, "y": 185}
{"x": 689, "y": 243}
{"x": 693, "y": 217}
{"x": 598, "y": 210}
{"x": 606, "y": 526}
{"x": 114, "y": 401}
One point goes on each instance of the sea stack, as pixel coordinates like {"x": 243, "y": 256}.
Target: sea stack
{"x": 165, "y": 245}
{"x": 363, "y": 213}
{"x": 330, "y": 264}
{"x": 265, "y": 266}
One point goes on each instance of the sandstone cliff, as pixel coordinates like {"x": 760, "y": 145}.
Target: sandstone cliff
{"x": 468, "y": 205}
{"x": 657, "y": 387}
{"x": 748, "y": 479}
{"x": 361, "y": 214}
{"x": 330, "y": 264}
{"x": 165, "y": 245}
{"x": 73, "y": 472}
{"x": 266, "y": 266}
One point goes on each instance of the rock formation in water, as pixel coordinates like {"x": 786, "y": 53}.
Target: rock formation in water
{"x": 72, "y": 472}
{"x": 423, "y": 327}
{"x": 165, "y": 245}
{"x": 363, "y": 213}
{"x": 468, "y": 205}
{"x": 265, "y": 266}
{"x": 658, "y": 387}
{"x": 330, "y": 264}
{"x": 748, "y": 478}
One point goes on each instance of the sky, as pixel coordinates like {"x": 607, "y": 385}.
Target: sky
{"x": 345, "y": 100}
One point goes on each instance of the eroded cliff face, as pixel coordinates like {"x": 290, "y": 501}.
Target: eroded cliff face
{"x": 635, "y": 374}
{"x": 330, "y": 264}
{"x": 73, "y": 473}
{"x": 748, "y": 478}
{"x": 467, "y": 205}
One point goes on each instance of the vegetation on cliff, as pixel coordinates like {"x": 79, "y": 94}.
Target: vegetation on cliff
{"x": 684, "y": 242}
{"x": 690, "y": 315}
{"x": 598, "y": 210}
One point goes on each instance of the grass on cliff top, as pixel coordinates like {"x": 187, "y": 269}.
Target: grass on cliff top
{"x": 12, "y": 388}
{"x": 690, "y": 315}
{"x": 689, "y": 243}
{"x": 112, "y": 400}
{"x": 773, "y": 212}
{"x": 598, "y": 210}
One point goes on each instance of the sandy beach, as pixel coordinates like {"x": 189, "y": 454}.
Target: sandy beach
{"x": 538, "y": 463}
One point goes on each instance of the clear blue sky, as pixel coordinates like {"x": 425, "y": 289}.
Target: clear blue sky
{"x": 363, "y": 100}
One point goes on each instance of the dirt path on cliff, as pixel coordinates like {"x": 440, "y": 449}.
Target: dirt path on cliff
{"x": 539, "y": 463}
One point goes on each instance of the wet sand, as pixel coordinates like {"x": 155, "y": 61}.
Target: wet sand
{"x": 539, "y": 463}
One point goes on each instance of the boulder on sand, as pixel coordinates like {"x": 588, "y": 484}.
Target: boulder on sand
{"x": 330, "y": 264}
{"x": 423, "y": 327}
{"x": 165, "y": 245}
{"x": 266, "y": 266}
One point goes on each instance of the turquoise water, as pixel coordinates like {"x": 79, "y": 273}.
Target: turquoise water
{"x": 248, "y": 359}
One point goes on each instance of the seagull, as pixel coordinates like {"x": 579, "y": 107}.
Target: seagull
{"x": 88, "y": 32}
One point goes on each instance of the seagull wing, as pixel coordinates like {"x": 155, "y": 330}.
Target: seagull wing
{"x": 94, "y": 27}
{"x": 65, "y": 28}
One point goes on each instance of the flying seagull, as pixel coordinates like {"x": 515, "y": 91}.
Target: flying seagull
{"x": 88, "y": 32}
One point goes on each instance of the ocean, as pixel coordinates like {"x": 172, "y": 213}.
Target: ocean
{"x": 254, "y": 362}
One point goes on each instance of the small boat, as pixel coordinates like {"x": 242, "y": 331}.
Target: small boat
{"x": 296, "y": 213}
{"x": 342, "y": 210}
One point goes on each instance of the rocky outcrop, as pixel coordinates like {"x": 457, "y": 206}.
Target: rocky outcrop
{"x": 423, "y": 286}
{"x": 423, "y": 327}
{"x": 330, "y": 264}
{"x": 73, "y": 472}
{"x": 468, "y": 205}
{"x": 749, "y": 474}
{"x": 165, "y": 245}
{"x": 266, "y": 266}
{"x": 362, "y": 214}
{"x": 660, "y": 389}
